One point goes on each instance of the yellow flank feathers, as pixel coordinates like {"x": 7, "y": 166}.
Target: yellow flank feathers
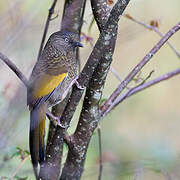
{"x": 46, "y": 84}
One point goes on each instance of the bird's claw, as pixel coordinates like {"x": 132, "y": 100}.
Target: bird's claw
{"x": 60, "y": 125}
{"x": 78, "y": 85}
{"x": 63, "y": 126}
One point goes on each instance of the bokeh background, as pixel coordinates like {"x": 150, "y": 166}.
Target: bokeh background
{"x": 140, "y": 138}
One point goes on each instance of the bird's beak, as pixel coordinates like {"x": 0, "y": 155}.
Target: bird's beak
{"x": 78, "y": 44}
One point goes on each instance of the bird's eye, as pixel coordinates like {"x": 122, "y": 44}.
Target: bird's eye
{"x": 66, "y": 39}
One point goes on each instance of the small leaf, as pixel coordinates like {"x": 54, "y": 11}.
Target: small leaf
{"x": 102, "y": 101}
{"x": 154, "y": 23}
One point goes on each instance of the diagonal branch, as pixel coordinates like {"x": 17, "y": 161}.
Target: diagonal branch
{"x": 51, "y": 11}
{"x": 154, "y": 28}
{"x": 139, "y": 88}
{"x": 14, "y": 68}
{"x": 138, "y": 67}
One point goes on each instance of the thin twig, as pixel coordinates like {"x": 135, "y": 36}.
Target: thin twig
{"x": 138, "y": 67}
{"x": 150, "y": 27}
{"x": 14, "y": 68}
{"x": 147, "y": 77}
{"x": 116, "y": 74}
{"x": 100, "y": 153}
{"x": 140, "y": 88}
{"x": 19, "y": 166}
{"x": 51, "y": 11}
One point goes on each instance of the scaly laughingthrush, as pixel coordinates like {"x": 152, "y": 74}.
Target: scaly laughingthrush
{"x": 51, "y": 78}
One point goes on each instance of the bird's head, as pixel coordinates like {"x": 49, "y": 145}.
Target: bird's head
{"x": 67, "y": 40}
{"x": 71, "y": 39}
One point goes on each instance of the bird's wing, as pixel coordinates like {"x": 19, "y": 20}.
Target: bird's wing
{"x": 45, "y": 82}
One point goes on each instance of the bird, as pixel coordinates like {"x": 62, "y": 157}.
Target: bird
{"x": 52, "y": 76}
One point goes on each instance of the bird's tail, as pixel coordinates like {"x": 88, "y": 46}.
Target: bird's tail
{"x": 36, "y": 136}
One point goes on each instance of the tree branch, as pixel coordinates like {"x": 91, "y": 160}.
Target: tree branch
{"x": 139, "y": 88}
{"x": 138, "y": 67}
{"x": 51, "y": 11}
{"x": 14, "y": 68}
{"x": 101, "y": 11}
{"x": 155, "y": 29}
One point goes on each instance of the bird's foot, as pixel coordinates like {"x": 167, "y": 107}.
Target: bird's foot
{"x": 77, "y": 83}
{"x": 56, "y": 120}
{"x": 60, "y": 125}
{"x": 79, "y": 86}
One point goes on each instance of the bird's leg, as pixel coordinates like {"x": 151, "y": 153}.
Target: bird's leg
{"x": 55, "y": 120}
{"x": 74, "y": 81}
{"x": 79, "y": 86}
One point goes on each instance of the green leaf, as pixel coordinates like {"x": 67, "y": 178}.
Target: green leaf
{"x": 103, "y": 100}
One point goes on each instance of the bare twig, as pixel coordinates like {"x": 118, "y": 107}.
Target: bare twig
{"x": 116, "y": 74}
{"x": 19, "y": 166}
{"x": 51, "y": 11}
{"x": 100, "y": 154}
{"x": 155, "y": 29}
{"x": 140, "y": 88}
{"x": 147, "y": 77}
{"x": 14, "y": 68}
{"x": 138, "y": 67}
